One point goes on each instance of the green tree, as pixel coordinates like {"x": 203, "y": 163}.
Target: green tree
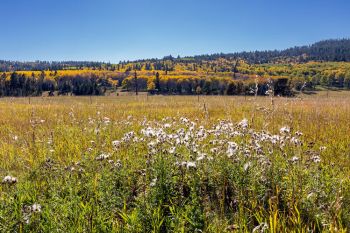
{"x": 157, "y": 83}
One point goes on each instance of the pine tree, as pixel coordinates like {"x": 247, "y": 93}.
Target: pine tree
{"x": 157, "y": 83}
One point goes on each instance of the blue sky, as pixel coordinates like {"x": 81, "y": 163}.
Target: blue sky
{"x": 114, "y": 30}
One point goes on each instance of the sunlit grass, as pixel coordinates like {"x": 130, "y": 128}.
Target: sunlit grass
{"x": 50, "y": 145}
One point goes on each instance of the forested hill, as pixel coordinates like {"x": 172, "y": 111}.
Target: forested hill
{"x": 327, "y": 50}
{"x": 45, "y": 65}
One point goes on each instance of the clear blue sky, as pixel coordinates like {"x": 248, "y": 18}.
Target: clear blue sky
{"x": 113, "y": 30}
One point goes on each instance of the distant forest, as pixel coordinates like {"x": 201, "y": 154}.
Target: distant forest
{"x": 325, "y": 63}
{"x": 326, "y": 50}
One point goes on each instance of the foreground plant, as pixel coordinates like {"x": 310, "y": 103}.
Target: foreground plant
{"x": 177, "y": 175}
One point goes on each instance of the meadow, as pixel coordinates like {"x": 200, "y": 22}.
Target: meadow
{"x": 175, "y": 163}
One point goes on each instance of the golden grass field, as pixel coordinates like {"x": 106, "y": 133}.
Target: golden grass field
{"x": 51, "y": 144}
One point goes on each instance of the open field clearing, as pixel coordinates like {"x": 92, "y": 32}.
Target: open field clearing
{"x": 175, "y": 164}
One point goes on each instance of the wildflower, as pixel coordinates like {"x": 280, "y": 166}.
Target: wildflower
{"x": 246, "y": 166}
{"x": 294, "y": 159}
{"x": 285, "y": 130}
{"x": 118, "y": 164}
{"x": 182, "y": 164}
{"x": 128, "y": 136}
{"x": 262, "y": 227}
{"x": 209, "y": 158}
{"x": 296, "y": 141}
{"x": 316, "y": 159}
{"x": 184, "y": 120}
{"x": 275, "y": 139}
{"x": 243, "y": 124}
{"x": 89, "y": 149}
{"x": 153, "y": 183}
{"x": 201, "y": 156}
{"x": 36, "y": 208}
{"x": 167, "y": 125}
{"x": 232, "y": 149}
{"x": 191, "y": 165}
{"x": 116, "y": 144}
{"x": 9, "y": 180}
{"x": 102, "y": 157}
{"x": 106, "y": 120}
{"x": 172, "y": 150}
{"x": 298, "y": 133}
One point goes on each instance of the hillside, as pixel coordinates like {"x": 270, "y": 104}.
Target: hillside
{"x": 326, "y": 50}
{"x": 324, "y": 63}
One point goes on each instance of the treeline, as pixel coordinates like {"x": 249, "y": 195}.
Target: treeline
{"x": 16, "y": 84}
{"x": 208, "y": 86}
{"x": 10, "y": 66}
{"x": 326, "y": 74}
{"x": 22, "y": 85}
{"x": 327, "y": 50}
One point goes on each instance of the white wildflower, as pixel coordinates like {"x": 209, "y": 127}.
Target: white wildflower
{"x": 294, "y": 159}
{"x": 172, "y": 150}
{"x": 167, "y": 125}
{"x": 9, "y": 180}
{"x": 231, "y": 149}
{"x": 36, "y": 208}
{"x": 243, "y": 124}
{"x": 154, "y": 182}
{"x": 191, "y": 165}
{"x": 102, "y": 157}
{"x": 201, "y": 156}
{"x": 247, "y": 166}
{"x": 316, "y": 159}
{"x": 262, "y": 227}
{"x": 116, "y": 144}
{"x": 296, "y": 141}
{"x": 285, "y": 130}
{"x": 106, "y": 120}
{"x": 298, "y": 133}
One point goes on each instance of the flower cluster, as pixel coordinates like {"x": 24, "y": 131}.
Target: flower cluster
{"x": 29, "y": 210}
{"x": 9, "y": 180}
{"x": 191, "y": 143}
